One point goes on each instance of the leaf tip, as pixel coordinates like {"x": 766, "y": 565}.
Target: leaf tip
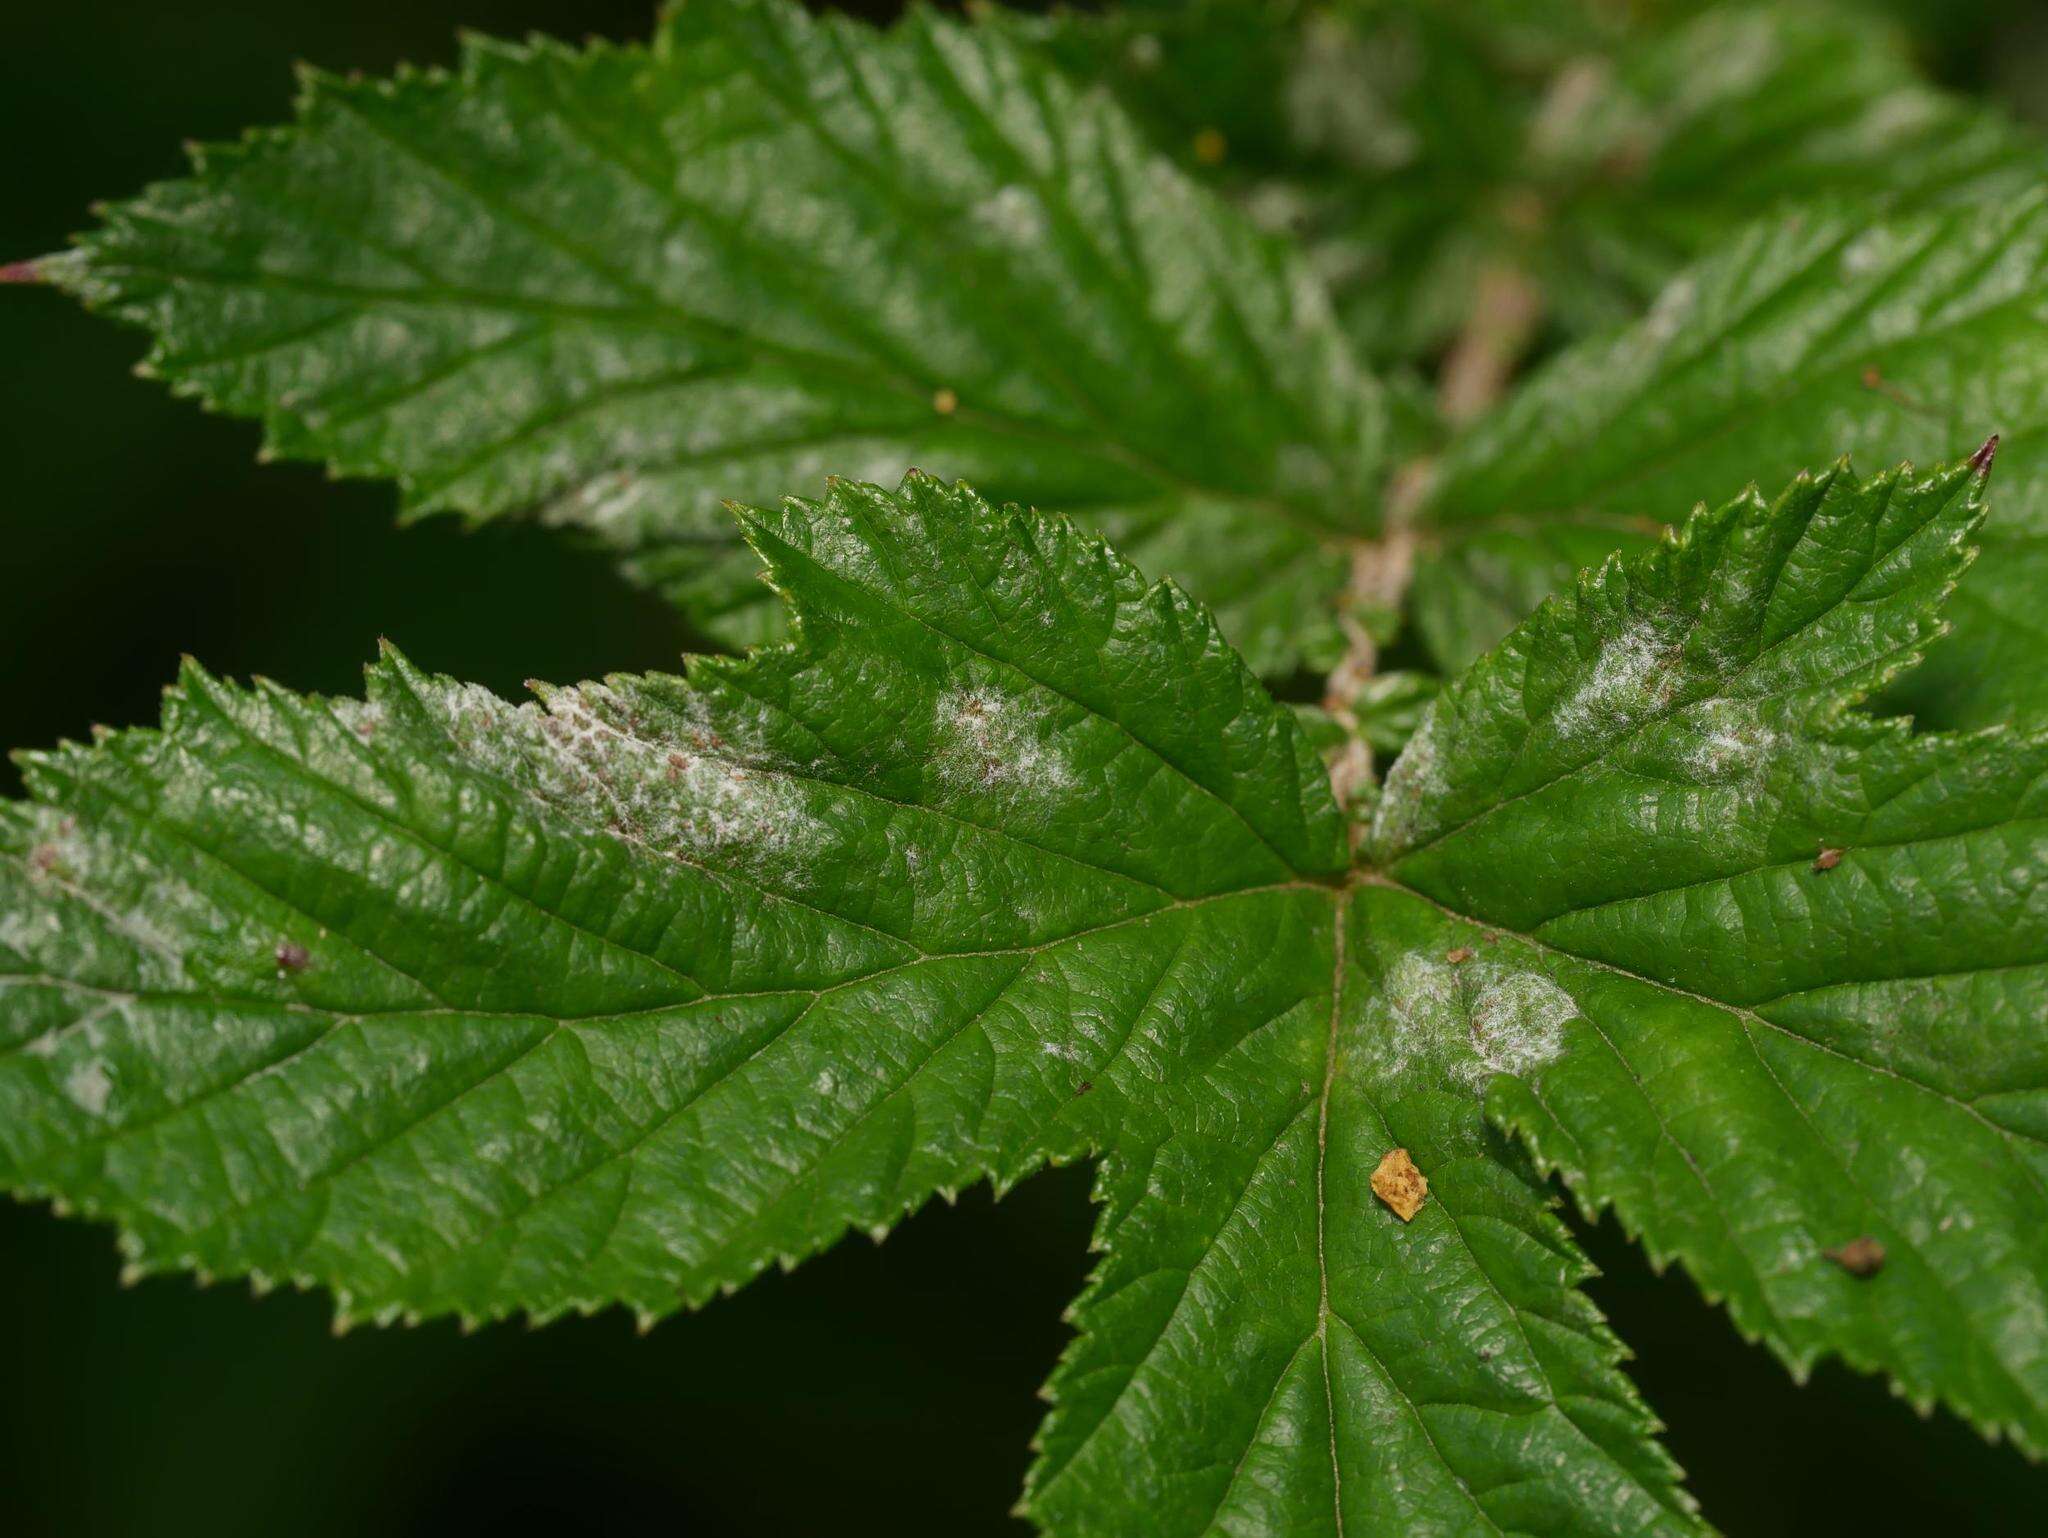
{"x": 22, "y": 272}
{"x": 1980, "y": 462}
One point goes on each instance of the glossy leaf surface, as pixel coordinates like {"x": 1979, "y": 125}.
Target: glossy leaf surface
{"x": 619, "y": 286}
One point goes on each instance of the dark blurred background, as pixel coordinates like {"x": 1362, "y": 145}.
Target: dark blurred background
{"x": 882, "y": 1388}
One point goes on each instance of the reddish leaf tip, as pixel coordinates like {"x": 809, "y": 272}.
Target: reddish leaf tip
{"x": 20, "y": 272}
{"x": 1980, "y": 461}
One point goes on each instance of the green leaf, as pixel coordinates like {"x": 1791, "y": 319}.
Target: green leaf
{"x": 1439, "y": 1376}
{"x": 459, "y": 1006}
{"x": 1806, "y": 949}
{"x": 1741, "y": 112}
{"x": 1413, "y": 146}
{"x": 1472, "y": 586}
{"x": 1209, "y": 80}
{"x": 620, "y": 285}
{"x": 1388, "y": 708}
{"x": 1379, "y": 135}
{"x": 1905, "y": 339}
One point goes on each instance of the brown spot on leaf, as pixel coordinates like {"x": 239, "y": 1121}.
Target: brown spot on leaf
{"x": 1399, "y": 1184}
{"x": 1458, "y": 955}
{"x": 945, "y": 401}
{"x": 1211, "y": 147}
{"x": 291, "y": 956}
{"x": 1828, "y": 858}
{"x": 1862, "y": 1256}
{"x": 1084, "y": 1087}
{"x": 42, "y": 859}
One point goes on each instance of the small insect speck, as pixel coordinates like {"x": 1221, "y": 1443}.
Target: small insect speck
{"x": 945, "y": 401}
{"x": 291, "y": 956}
{"x": 1458, "y": 955}
{"x": 1828, "y": 858}
{"x": 1084, "y": 1087}
{"x": 1860, "y": 1257}
{"x": 1210, "y": 147}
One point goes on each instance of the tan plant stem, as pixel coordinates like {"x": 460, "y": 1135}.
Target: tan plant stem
{"x": 1380, "y": 571}
{"x": 1506, "y": 307}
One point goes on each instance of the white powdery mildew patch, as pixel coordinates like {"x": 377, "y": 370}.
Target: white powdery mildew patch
{"x": 690, "y": 794}
{"x": 89, "y": 1087}
{"x": 1635, "y": 673}
{"x": 142, "y": 904}
{"x": 1013, "y": 214}
{"x": 362, "y": 717}
{"x": 1415, "y": 786}
{"x": 988, "y": 740}
{"x": 1671, "y": 310}
{"x": 1725, "y": 742}
{"x": 1467, "y": 1022}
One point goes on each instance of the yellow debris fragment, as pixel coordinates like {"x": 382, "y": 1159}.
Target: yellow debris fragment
{"x": 1399, "y": 1184}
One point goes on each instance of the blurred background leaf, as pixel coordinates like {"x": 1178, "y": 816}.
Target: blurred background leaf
{"x": 881, "y": 1389}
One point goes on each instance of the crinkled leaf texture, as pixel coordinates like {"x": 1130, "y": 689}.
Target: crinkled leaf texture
{"x": 459, "y": 1006}
{"x": 456, "y": 1005}
{"x": 620, "y": 285}
{"x": 1908, "y": 338}
{"x": 1770, "y": 1053}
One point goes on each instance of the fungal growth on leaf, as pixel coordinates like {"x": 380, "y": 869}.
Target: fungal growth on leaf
{"x": 1612, "y": 866}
